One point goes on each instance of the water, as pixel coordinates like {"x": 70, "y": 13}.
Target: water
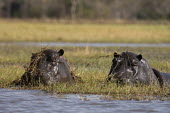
{"x": 86, "y": 44}
{"x": 34, "y": 101}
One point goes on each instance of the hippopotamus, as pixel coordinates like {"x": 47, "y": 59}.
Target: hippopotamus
{"x": 130, "y": 68}
{"x": 48, "y": 67}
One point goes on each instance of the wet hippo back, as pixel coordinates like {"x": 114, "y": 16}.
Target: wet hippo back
{"x": 166, "y": 78}
{"x": 163, "y": 78}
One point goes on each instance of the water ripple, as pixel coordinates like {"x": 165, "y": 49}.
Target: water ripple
{"x": 30, "y": 101}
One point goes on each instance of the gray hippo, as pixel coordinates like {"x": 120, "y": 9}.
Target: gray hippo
{"x": 130, "y": 68}
{"x": 47, "y": 67}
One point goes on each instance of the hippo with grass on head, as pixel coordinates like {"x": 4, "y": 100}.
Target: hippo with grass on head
{"x": 47, "y": 67}
{"x": 130, "y": 68}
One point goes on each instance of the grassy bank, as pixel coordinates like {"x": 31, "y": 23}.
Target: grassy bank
{"x": 92, "y": 65}
{"x": 40, "y": 31}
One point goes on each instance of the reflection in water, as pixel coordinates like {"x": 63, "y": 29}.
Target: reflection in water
{"x": 34, "y": 101}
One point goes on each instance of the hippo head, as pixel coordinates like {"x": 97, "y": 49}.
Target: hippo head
{"x": 51, "y": 56}
{"x": 125, "y": 67}
{"x": 48, "y": 66}
{"x": 53, "y": 67}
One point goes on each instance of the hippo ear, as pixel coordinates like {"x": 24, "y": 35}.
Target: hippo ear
{"x": 139, "y": 57}
{"x": 115, "y": 54}
{"x": 61, "y": 52}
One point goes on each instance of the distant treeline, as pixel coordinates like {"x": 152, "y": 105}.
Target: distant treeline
{"x": 88, "y": 9}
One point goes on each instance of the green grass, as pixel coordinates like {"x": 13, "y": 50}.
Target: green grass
{"x": 92, "y": 65}
{"x": 40, "y": 31}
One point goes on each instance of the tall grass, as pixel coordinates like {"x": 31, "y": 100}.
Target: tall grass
{"x": 61, "y": 32}
{"x": 92, "y": 65}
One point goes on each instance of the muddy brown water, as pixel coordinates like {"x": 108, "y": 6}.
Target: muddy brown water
{"x": 34, "y": 101}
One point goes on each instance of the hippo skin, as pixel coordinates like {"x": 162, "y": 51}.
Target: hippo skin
{"x": 130, "y": 68}
{"x": 48, "y": 67}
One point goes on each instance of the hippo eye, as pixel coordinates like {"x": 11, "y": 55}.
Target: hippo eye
{"x": 134, "y": 62}
{"x": 119, "y": 59}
